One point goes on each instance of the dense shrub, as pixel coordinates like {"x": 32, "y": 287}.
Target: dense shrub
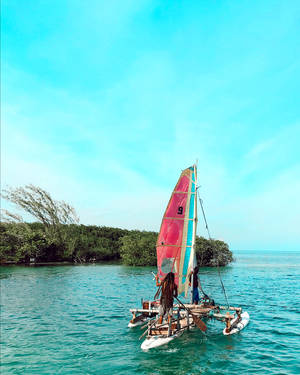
{"x": 138, "y": 248}
{"x": 211, "y": 252}
{"x": 90, "y": 243}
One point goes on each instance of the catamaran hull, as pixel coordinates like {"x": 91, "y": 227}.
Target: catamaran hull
{"x": 139, "y": 323}
{"x": 156, "y": 341}
{"x": 241, "y": 325}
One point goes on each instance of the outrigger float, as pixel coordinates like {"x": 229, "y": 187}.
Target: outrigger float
{"x": 185, "y": 318}
{"x": 176, "y": 253}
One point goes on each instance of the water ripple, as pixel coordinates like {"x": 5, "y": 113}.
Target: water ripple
{"x": 73, "y": 320}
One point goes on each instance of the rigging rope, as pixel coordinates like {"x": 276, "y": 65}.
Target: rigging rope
{"x": 217, "y": 255}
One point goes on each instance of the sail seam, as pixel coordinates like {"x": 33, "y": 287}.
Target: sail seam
{"x": 182, "y": 192}
{"x": 179, "y": 218}
{"x": 173, "y": 245}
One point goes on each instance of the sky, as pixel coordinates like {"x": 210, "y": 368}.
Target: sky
{"x": 105, "y": 102}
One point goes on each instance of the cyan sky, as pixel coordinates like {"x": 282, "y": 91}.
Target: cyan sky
{"x": 104, "y": 102}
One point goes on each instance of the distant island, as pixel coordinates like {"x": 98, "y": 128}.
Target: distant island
{"x": 57, "y": 237}
{"x": 25, "y": 242}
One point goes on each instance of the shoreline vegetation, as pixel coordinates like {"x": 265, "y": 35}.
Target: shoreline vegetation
{"x": 27, "y": 243}
{"x": 56, "y": 236}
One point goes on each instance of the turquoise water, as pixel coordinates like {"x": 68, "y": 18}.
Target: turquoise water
{"x": 73, "y": 320}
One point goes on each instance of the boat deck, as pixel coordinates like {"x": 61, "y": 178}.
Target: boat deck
{"x": 163, "y": 329}
{"x": 184, "y": 317}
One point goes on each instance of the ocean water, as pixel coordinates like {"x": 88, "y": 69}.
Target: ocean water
{"x": 73, "y": 320}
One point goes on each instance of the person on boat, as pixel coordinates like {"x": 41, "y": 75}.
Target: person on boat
{"x": 168, "y": 291}
{"x": 194, "y": 274}
{"x": 196, "y": 284}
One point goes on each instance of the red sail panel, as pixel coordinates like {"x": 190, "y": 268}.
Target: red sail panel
{"x": 170, "y": 240}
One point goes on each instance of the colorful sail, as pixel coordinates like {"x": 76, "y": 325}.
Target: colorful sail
{"x": 175, "y": 243}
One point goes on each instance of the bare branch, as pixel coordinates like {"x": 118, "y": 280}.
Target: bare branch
{"x": 38, "y": 203}
{"x": 9, "y": 217}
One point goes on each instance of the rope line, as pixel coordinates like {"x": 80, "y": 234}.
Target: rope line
{"x": 218, "y": 265}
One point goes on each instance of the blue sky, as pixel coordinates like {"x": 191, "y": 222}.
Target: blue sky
{"x": 105, "y": 102}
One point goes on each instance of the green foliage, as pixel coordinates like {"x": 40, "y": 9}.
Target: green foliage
{"x": 76, "y": 243}
{"x": 210, "y": 253}
{"x": 52, "y": 215}
{"x": 57, "y": 236}
{"x": 19, "y": 243}
{"x": 93, "y": 243}
{"x": 138, "y": 248}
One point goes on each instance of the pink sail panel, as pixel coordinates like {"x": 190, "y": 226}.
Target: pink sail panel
{"x": 169, "y": 261}
{"x": 170, "y": 239}
{"x": 178, "y": 200}
{"x": 183, "y": 183}
{"x": 171, "y": 233}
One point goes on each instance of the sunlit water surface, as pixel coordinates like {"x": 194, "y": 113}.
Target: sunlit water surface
{"x": 73, "y": 320}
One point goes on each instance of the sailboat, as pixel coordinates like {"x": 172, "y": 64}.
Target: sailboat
{"x": 176, "y": 253}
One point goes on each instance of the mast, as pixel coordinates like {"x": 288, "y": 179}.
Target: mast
{"x": 193, "y": 255}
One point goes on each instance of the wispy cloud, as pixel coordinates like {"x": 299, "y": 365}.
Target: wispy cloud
{"x": 105, "y": 106}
